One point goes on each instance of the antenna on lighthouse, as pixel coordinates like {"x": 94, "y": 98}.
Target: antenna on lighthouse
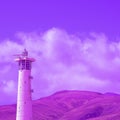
{"x": 25, "y": 53}
{"x": 24, "y": 99}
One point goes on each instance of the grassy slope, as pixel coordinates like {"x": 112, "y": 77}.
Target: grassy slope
{"x": 71, "y": 105}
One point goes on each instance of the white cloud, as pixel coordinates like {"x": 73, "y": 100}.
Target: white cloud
{"x": 9, "y": 87}
{"x": 65, "y": 61}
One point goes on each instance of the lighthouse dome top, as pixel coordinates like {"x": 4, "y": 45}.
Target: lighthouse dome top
{"x": 24, "y": 56}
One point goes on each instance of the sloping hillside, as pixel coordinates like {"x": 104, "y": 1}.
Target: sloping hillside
{"x": 71, "y": 105}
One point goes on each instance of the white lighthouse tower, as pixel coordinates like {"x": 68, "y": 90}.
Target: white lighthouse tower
{"x": 24, "y": 99}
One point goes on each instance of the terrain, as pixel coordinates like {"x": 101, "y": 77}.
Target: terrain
{"x": 71, "y": 105}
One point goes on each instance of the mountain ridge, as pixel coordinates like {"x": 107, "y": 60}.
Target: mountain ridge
{"x": 71, "y": 105}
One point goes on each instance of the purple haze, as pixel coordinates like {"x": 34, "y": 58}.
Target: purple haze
{"x": 76, "y": 45}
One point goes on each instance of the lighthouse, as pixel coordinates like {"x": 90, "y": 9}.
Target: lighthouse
{"x": 24, "y": 97}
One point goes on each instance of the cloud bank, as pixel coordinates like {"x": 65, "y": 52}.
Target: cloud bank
{"x": 63, "y": 61}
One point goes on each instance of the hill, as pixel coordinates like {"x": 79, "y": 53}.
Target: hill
{"x": 71, "y": 105}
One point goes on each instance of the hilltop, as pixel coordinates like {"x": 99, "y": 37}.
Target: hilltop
{"x": 71, "y": 105}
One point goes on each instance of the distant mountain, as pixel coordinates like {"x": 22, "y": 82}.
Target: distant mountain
{"x": 71, "y": 105}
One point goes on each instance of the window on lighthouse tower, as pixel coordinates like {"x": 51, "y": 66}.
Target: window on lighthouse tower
{"x": 24, "y": 65}
{"x": 28, "y": 65}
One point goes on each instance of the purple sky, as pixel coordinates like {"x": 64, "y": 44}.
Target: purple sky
{"x": 76, "y": 44}
{"x": 73, "y": 16}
